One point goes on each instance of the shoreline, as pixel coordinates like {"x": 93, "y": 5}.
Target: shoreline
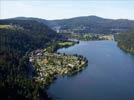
{"x": 41, "y": 78}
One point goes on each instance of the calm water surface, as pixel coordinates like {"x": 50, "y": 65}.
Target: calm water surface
{"x": 108, "y": 76}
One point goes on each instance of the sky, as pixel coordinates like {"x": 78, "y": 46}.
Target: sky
{"x": 60, "y": 9}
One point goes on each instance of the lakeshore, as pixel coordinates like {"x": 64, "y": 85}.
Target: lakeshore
{"x": 108, "y": 76}
{"x": 49, "y": 64}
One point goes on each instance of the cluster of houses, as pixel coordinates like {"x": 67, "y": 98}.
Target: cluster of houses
{"x": 50, "y": 65}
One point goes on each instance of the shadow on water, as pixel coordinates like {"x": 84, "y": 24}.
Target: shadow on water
{"x": 44, "y": 95}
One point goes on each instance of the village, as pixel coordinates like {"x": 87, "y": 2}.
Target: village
{"x": 49, "y": 65}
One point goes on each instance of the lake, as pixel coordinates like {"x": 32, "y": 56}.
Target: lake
{"x": 108, "y": 76}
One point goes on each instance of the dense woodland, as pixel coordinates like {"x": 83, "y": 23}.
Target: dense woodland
{"x": 126, "y": 41}
{"x": 17, "y": 39}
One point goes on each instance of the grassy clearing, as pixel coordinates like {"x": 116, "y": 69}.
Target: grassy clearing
{"x": 5, "y": 26}
{"x": 62, "y": 43}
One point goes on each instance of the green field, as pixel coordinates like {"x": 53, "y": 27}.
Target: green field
{"x": 5, "y": 26}
{"x": 65, "y": 43}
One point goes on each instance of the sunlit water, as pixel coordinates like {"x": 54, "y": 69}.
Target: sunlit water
{"x": 108, "y": 76}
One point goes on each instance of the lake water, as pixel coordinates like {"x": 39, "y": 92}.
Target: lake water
{"x": 108, "y": 76}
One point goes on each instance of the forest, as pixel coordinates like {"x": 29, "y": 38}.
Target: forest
{"x": 17, "y": 39}
{"x": 126, "y": 41}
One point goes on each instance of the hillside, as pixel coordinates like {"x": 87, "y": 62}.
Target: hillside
{"x": 126, "y": 41}
{"x": 86, "y": 24}
{"x": 92, "y": 24}
{"x": 17, "y": 38}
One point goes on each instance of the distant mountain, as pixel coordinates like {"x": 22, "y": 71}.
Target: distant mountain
{"x": 92, "y": 24}
{"x": 86, "y": 24}
{"x": 31, "y": 18}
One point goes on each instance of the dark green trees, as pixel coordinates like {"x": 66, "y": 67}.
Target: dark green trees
{"x": 126, "y": 41}
{"x": 16, "y": 42}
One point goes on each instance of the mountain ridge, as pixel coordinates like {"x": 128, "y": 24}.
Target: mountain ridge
{"x": 86, "y": 24}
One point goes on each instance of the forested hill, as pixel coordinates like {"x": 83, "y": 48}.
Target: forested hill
{"x": 126, "y": 41}
{"x": 17, "y": 37}
{"x": 92, "y": 24}
{"x": 25, "y": 34}
{"x": 86, "y": 24}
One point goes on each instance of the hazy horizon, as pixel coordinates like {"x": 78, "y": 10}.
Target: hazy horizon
{"x": 66, "y": 18}
{"x": 58, "y": 9}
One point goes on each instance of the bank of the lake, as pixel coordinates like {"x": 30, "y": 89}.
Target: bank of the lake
{"x": 91, "y": 36}
{"x": 49, "y": 64}
{"x": 108, "y": 76}
{"x": 126, "y": 41}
